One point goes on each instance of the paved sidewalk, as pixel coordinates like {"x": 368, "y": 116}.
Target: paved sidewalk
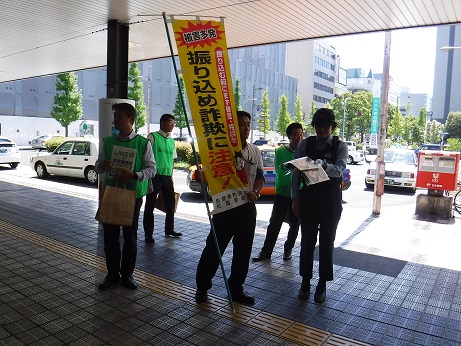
{"x": 397, "y": 282}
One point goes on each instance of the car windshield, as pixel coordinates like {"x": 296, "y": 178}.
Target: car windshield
{"x": 268, "y": 158}
{"x": 4, "y": 140}
{"x": 399, "y": 157}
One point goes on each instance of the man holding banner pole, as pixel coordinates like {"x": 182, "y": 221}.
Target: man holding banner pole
{"x": 237, "y": 224}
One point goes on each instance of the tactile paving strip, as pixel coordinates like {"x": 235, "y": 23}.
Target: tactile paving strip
{"x": 272, "y": 324}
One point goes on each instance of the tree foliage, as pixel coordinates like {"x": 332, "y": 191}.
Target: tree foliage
{"x": 237, "y": 95}
{"x": 67, "y": 106}
{"x": 265, "y": 119}
{"x": 135, "y": 93}
{"x": 298, "y": 117}
{"x": 178, "y": 110}
{"x": 453, "y": 125}
{"x": 394, "y": 123}
{"x": 264, "y": 123}
{"x": 283, "y": 117}
{"x": 432, "y": 132}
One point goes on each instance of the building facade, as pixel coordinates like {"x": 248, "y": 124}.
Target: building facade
{"x": 446, "y": 95}
{"x": 313, "y": 62}
{"x": 25, "y": 105}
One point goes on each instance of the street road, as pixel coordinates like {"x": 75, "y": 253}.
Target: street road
{"x": 357, "y": 199}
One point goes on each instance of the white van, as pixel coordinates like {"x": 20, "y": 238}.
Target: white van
{"x": 354, "y": 155}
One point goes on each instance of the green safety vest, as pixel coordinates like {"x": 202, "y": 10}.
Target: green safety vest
{"x": 139, "y": 143}
{"x": 282, "y": 180}
{"x": 163, "y": 149}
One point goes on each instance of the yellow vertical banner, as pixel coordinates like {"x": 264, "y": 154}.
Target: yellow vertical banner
{"x": 202, "y": 51}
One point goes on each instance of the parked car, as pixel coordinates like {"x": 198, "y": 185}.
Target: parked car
{"x": 400, "y": 169}
{"x": 268, "y": 157}
{"x": 354, "y": 155}
{"x": 73, "y": 158}
{"x": 40, "y": 142}
{"x": 9, "y": 153}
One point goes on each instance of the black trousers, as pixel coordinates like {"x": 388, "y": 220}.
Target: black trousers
{"x": 237, "y": 224}
{"x": 282, "y": 205}
{"x": 162, "y": 183}
{"x": 130, "y": 249}
{"x": 321, "y": 210}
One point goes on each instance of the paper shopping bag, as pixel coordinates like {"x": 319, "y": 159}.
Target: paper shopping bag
{"x": 160, "y": 203}
{"x": 117, "y": 206}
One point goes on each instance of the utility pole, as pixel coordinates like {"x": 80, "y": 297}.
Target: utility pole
{"x": 380, "y": 169}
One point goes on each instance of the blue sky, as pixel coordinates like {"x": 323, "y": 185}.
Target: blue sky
{"x": 412, "y": 55}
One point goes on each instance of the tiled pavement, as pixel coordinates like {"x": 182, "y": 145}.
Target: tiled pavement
{"x": 398, "y": 283}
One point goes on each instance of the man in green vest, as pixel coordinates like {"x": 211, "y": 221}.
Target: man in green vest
{"x": 282, "y": 201}
{"x": 164, "y": 153}
{"x": 136, "y": 179}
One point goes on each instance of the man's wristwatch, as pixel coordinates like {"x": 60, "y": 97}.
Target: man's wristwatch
{"x": 257, "y": 193}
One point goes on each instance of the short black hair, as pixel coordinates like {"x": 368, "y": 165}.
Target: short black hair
{"x": 166, "y": 117}
{"x": 125, "y": 108}
{"x": 292, "y": 127}
{"x": 243, "y": 114}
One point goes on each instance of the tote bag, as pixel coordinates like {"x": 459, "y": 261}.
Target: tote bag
{"x": 160, "y": 203}
{"x": 117, "y": 206}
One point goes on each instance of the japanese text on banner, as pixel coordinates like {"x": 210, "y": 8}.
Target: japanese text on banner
{"x": 202, "y": 51}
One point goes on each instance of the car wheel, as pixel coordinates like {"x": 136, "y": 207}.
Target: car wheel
{"x": 40, "y": 168}
{"x": 350, "y": 160}
{"x": 14, "y": 165}
{"x": 91, "y": 176}
{"x": 369, "y": 186}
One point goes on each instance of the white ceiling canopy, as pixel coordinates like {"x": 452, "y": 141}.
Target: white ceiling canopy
{"x": 51, "y": 36}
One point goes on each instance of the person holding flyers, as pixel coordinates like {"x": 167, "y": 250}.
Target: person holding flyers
{"x": 319, "y": 205}
{"x": 164, "y": 152}
{"x": 282, "y": 201}
{"x": 237, "y": 224}
{"x": 143, "y": 169}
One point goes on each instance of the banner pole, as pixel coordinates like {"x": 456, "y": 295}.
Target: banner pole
{"x": 205, "y": 198}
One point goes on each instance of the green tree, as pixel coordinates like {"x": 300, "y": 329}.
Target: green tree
{"x": 264, "y": 123}
{"x": 358, "y": 114}
{"x": 422, "y": 118}
{"x": 283, "y": 117}
{"x": 237, "y": 95}
{"x": 454, "y": 144}
{"x": 298, "y": 117}
{"x": 355, "y": 112}
{"x": 432, "y": 133}
{"x": 67, "y": 106}
{"x": 395, "y": 123}
{"x": 179, "y": 117}
{"x": 409, "y": 124}
{"x": 453, "y": 125}
{"x": 135, "y": 93}
{"x": 265, "y": 119}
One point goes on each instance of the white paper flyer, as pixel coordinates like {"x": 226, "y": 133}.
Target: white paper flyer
{"x": 312, "y": 173}
{"x": 122, "y": 158}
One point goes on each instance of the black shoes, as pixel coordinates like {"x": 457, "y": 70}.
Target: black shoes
{"x": 242, "y": 298}
{"x": 304, "y": 292}
{"x": 149, "y": 240}
{"x": 263, "y": 255}
{"x": 173, "y": 234}
{"x": 320, "y": 294}
{"x": 109, "y": 281}
{"x": 201, "y": 296}
{"x": 287, "y": 255}
{"x": 129, "y": 282}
